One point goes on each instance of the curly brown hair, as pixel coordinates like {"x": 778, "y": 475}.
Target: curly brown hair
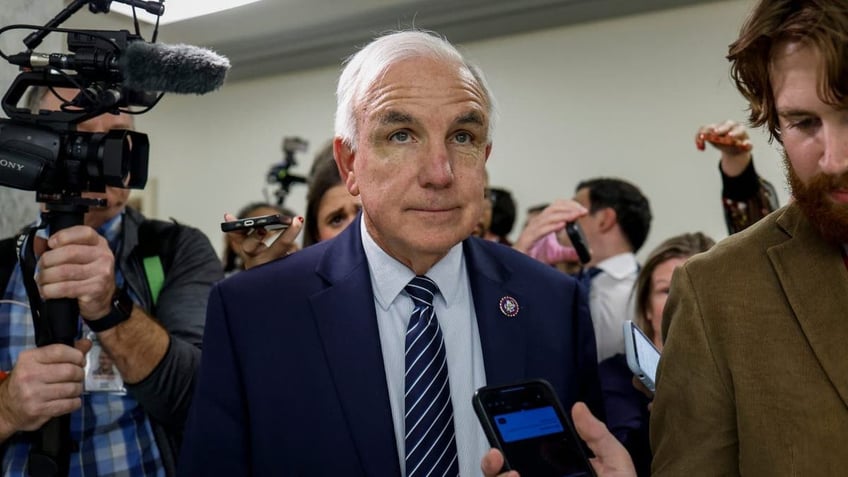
{"x": 821, "y": 24}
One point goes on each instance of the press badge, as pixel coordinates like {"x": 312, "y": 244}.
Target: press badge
{"x": 101, "y": 374}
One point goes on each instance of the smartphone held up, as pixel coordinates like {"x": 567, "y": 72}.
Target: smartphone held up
{"x": 578, "y": 241}
{"x": 642, "y": 356}
{"x": 717, "y": 139}
{"x": 527, "y": 423}
{"x": 267, "y": 222}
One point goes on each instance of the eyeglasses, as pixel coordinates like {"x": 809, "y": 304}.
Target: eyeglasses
{"x": 490, "y": 195}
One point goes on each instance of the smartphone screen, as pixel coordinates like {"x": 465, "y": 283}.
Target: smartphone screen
{"x": 527, "y": 423}
{"x": 642, "y": 356}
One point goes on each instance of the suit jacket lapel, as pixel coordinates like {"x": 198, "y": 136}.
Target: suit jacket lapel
{"x": 815, "y": 281}
{"x": 503, "y": 338}
{"x": 347, "y": 322}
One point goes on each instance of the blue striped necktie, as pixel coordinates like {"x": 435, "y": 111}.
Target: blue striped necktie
{"x": 430, "y": 437}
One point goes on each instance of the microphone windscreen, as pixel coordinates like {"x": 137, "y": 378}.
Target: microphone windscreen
{"x": 183, "y": 69}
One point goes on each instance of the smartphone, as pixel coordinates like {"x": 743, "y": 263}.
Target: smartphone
{"x": 642, "y": 356}
{"x": 268, "y": 222}
{"x": 578, "y": 241}
{"x": 527, "y": 423}
{"x": 722, "y": 139}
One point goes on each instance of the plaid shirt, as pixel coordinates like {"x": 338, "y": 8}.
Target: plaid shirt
{"x": 113, "y": 433}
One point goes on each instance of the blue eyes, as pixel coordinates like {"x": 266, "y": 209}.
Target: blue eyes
{"x": 463, "y": 138}
{"x": 400, "y": 136}
{"x": 404, "y": 137}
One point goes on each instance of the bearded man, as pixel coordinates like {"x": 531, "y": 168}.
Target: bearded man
{"x": 754, "y": 375}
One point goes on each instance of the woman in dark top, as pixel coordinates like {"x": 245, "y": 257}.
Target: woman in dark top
{"x": 626, "y": 406}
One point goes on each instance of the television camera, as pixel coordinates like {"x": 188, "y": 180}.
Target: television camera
{"x": 110, "y": 72}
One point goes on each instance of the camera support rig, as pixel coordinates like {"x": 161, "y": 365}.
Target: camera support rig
{"x": 43, "y": 152}
{"x": 279, "y": 173}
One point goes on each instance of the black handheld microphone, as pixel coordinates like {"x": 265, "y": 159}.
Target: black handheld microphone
{"x": 183, "y": 69}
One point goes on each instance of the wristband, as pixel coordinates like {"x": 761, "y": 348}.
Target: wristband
{"x": 122, "y": 306}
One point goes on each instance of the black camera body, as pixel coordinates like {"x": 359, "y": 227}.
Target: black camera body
{"x": 42, "y": 151}
{"x": 51, "y": 162}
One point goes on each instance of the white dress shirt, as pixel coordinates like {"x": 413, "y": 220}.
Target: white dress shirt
{"x": 612, "y": 302}
{"x": 458, "y": 321}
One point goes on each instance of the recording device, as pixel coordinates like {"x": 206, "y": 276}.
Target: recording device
{"x": 578, "y": 241}
{"x": 43, "y": 151}
{"x": 527, "y": 423}
{"x": 268, "y": 222}
{"x": 720, "y": 139}
{"x": 279, "y": 173}
{"x": 642, "y": 356}
{"x": 113, "y": 71}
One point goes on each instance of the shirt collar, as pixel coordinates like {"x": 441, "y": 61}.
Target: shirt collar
{"x": 620, "y": 266}
{"x": 111, "y": 231}
{"x": 389, "y": 276}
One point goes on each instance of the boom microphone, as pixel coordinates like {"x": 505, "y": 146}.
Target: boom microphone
{"x": 183, "y": 69}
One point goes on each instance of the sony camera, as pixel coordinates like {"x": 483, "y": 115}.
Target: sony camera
{"x": 42, "y": 151}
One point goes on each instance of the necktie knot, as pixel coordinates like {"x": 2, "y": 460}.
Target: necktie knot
{"x": 586, "y": 275}
{"x": 591, "y": 272}
{"x": 422, "y": 290}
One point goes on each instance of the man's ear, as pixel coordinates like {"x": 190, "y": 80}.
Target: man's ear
{"x": 608, "y": 219}
{"x": 345, "y": 158}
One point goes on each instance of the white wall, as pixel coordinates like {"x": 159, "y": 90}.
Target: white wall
{"x": 17, "y": 207}
{"x": 615, "y": 98}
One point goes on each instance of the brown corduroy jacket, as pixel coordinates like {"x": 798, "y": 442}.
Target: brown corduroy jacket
{"x": 754, "y": 376}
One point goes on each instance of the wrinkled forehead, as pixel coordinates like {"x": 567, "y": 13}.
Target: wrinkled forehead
{"x": 365, "y": 70}
{"x": 450, "y": 70}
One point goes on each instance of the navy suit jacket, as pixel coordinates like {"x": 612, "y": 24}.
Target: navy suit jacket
{"x": 292, "y": 381}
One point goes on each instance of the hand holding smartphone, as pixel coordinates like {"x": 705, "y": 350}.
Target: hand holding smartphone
{"x": 527, "y": 423}
{"x": 642, "y": 356}
{"x": 268, "y": 222}
{"x": 720, "y": 140}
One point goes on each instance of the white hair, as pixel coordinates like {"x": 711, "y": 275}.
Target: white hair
{"x": 364, "y": 68}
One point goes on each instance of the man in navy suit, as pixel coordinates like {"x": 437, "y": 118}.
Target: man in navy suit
{"x": 303, "y": 362}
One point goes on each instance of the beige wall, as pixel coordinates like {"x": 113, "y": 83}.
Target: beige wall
{"x": 621, "y": 97}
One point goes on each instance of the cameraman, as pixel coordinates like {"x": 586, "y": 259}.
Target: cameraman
{"x": 133, "y": 426}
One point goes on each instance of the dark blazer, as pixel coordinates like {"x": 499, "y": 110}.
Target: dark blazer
{"x": 627, "y": 411}
{"x": 292, "y": 380}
